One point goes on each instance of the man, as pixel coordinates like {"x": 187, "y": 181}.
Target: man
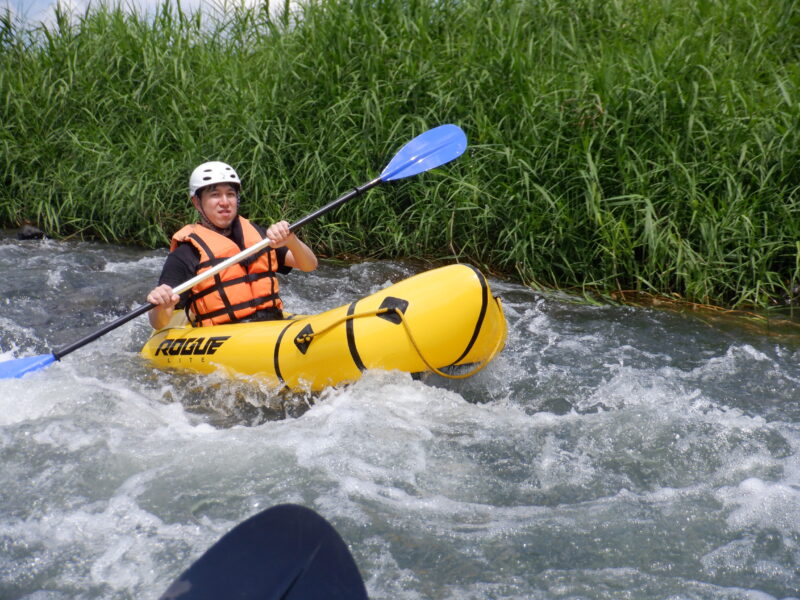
{"x": 247, "y": 291}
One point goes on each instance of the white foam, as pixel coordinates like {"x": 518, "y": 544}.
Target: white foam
{"x": 735, "y": 356}
{"x": 30, "y": 397}
{"x": 114, "y": 544}
{"x": 149, "y": 263}
{"x": 762, "y": 504}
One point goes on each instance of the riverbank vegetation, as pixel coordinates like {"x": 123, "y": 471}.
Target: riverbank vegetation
{"x": 614, "y": 144}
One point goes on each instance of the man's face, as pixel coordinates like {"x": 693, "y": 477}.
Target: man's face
{"x": 219, "y": 203}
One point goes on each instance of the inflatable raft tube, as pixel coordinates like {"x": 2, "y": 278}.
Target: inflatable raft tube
{"x": 432, "y": 321}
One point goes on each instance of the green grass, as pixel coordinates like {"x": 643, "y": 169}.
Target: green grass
{"x": 617, "y": 144}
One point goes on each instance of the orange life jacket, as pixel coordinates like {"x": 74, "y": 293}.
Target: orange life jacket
{"x": 238, "y": 291}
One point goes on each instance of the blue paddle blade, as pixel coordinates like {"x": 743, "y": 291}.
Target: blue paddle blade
{"x": 427, "y": 151}
{"x": 287, "y": 552}
{"x": 19, "y": 366}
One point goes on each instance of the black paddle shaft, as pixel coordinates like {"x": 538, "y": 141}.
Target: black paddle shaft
{"x": 357, "y": 191}
{"x": 146, "y": 307}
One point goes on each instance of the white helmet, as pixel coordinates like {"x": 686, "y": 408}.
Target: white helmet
{"x": 210, "y": 173}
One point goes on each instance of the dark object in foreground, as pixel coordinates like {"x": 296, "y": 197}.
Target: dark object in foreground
{"x": 286, "y": 552}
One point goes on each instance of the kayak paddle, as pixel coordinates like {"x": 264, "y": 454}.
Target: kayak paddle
{"x": 287, "y": 552}
{"x": 427, "y": 151}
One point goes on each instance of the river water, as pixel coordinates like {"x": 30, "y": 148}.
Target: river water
{"x": 609, "y": 452}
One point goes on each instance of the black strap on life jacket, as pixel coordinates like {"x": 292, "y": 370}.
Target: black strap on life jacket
{"x": 219, "y": 286}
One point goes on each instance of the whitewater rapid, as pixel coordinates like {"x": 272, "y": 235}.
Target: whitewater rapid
{"x": 608, "y": 452}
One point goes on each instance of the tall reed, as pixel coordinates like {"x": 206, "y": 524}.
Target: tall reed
{"x": 623, "y": 144}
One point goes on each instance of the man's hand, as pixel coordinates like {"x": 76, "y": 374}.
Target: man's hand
{"x": 164, "y": 301}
